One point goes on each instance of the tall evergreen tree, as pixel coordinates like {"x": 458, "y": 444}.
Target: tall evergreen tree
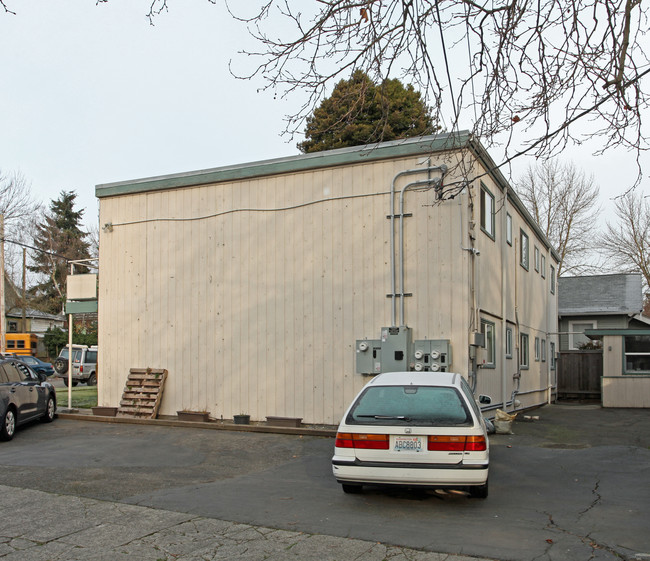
{"x": 59, "y": 239}
{"x": 362, "y": 112}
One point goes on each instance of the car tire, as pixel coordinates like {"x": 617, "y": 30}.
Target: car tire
{"x": 74, "y": 382}
{"x": 8, "y": 427}
{"x": 351, "y": 489}
{"x": 92, "y": 380}
{"x": 50, "y": 411}
{"x": 479, "y": 492}
{"x": 61, "y": 366}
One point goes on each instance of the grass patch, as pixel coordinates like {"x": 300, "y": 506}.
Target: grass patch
{"x": 83, "y": 397}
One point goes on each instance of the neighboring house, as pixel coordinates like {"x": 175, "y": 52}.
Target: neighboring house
{"x": 606, "y": 309}
{"x": 598, "y": 302}
{"x": 35, "y": 321}
{"x": 277, "y": 288}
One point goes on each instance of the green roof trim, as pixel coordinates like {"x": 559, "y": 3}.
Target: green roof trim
{"x": 301, "y": 162}
{"x": 318, "y": 160}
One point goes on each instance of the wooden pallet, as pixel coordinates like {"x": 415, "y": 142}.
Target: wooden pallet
{"x": 142, "y": 393}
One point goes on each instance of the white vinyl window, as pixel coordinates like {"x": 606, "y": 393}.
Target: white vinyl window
{"x": 487, "y": 211}
{"x": 577, "y": 338}
{"x": 487, "y": 328}
{"x": 523, "y": 249}
{"x": 523, "y": 349}
{"x": 508, "y": 342}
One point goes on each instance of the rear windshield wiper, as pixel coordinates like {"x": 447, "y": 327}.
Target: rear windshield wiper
{"x": 386, "y": 417}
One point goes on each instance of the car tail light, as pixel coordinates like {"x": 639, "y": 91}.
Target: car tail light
{"x": 81, "y": 368}
{"x": 457, "y": 443}
{"x": 365, "y": 441}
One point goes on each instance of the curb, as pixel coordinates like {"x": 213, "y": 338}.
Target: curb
{"x": 212, "y": 425}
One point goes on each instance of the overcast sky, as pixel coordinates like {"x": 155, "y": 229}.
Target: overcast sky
{"x": 92, "y": 94}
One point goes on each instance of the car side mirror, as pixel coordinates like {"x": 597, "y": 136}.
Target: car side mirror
{"x": 484, "y": 399}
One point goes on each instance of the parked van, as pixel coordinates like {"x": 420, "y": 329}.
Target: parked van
{"x": 21, "y": 343}
{"x": 84, "y": 364}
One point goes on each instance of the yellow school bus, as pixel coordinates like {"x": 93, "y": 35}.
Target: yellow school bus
{"x": 21, "y": 343}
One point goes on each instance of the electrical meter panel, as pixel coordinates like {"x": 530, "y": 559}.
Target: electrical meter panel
{"x": 397, "y": 352}
{"x": 432, "y": 355}
{"x": 368, "y": 353}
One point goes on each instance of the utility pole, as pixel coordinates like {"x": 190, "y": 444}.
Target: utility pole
{"x": 24, "y": 290}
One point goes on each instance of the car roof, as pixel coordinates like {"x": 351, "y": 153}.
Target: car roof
{"x": 416, "y": 379}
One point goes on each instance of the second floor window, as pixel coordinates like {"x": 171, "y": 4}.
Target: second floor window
{"x": 524, "y": 257}
{"x": 487, "y": 211}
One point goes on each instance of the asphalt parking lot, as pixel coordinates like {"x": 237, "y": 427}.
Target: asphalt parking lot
{"x": 573, "y": 485}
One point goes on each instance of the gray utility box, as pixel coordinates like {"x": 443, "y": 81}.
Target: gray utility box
{"x": 432, "y": 355}
{"x": 396, "y": 352}
{"x": 391, "y": 353}
{"x": 368, "y": 356}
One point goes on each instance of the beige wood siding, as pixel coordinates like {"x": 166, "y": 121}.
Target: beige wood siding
{"x": 251, "y": 293}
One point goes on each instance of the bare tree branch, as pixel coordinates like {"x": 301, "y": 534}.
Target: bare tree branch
{"x": 564, "y": 202}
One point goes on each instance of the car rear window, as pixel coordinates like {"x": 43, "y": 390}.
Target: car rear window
{"x": 410, "y": 405}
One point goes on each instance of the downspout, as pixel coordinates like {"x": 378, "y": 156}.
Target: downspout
{"x": 474, "y": 315}
{"x": 504, "y": 291}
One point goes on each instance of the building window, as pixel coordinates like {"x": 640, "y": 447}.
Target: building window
{"x": 537, "y": 351}
{"x": 487, "y": 211}
{"x": 509, "y": 229}
{"x": 552, "y": 351}
{"x": 523, "y": 349}
{"x": 552, "y": 279}
{"x": 637, "y": 354}
{"x": 536, "y": 259}
{"x": 543, "y": 267}
{"x": 487, "y": 328}
{"x": 13, "y": 326}
{"x": 524, "y": 259}
{"x": 508, "y": 342}
{"x": 543, "y": 350}
{"x": 577, "y": 337}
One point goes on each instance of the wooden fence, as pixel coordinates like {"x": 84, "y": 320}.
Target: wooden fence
{"x": 579, "y": 374}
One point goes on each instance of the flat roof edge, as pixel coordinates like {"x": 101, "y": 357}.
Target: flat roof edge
{"x": 297, "y": 163}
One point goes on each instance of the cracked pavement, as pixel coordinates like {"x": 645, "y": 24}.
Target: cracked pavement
{"x": 571, "y": 486}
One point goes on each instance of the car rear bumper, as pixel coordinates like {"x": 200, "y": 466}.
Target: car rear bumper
{"x": 346, "y": 471}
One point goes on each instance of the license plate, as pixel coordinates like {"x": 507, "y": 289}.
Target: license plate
{"x": 408, "y": 444}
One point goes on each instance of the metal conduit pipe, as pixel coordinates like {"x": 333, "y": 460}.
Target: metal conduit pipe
{"x": 393, "y": 269}
{"x": 430, "y": 183}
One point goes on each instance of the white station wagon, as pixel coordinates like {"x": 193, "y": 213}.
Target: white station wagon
{"x": 414, "y": 429}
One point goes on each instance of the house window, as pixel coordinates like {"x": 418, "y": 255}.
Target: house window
{"x": 552, "y": 351}
{"x": 637, "y": 354}
{"x": 508, "y": 342}
{"x": 552, "y": 279}
{"x": 543, "y": 350}
{"x": 487, "y": 211}
{"x": 509, "y": 229}
{"x": 487, "y": 328}
{"x": 524, "y": 259}
{"x": 577, "y": 338}
{"x": 543, "y": 266}
{"x": 537, "y": 351}
{"x": 523, "y": 349}
{"x": 13, "y": 326}
{"x": 537, "y": 259}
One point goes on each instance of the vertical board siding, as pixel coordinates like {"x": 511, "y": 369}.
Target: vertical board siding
{"x": 252, "y": 293}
